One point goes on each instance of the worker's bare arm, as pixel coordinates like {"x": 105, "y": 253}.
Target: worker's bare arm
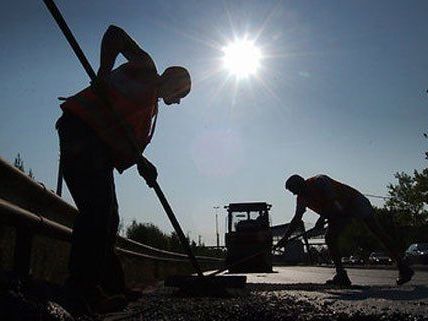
{"x": 116, "y": 41}
{"x": 295, "y": 221}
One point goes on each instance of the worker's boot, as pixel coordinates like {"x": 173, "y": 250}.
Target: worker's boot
{"x": 405, "y": 273}
{"x": 341, "y": 279}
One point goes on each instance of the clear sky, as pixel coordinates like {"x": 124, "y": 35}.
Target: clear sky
{"x": 340, "y": 90}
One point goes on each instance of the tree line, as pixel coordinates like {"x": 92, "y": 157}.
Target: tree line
{"x": 150, "y": 234}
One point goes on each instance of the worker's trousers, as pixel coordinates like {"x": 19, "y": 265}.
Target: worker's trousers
{"x": 88, "y": 172}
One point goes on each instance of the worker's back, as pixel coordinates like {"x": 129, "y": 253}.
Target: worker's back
{"x": 133, "y": 94}
{"x": 322, "y": 191}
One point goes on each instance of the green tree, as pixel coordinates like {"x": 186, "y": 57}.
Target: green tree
{"x": 421, "y": 185}
{"x": 408, "y": 198}
{"x": 174, "y": 242}
{"x": 407, "y": 207}
{"x": 148, "y": 234}
{"x": 19, "y": 163}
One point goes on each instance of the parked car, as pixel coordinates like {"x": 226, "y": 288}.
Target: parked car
{"x": 355, "y": 260}
{"x": 379, "y": 258}
{"x": 345, "y": 260}
{"x": 417, "y": 253}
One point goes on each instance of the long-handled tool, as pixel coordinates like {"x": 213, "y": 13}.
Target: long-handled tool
{"x": 133, "y": 143}
{"x": 247, "y": 258}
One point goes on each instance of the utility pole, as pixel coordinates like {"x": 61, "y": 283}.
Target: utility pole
{"x": 216, "y": 225}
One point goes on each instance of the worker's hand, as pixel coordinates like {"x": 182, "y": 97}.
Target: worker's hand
{"x": 148, "y": 171}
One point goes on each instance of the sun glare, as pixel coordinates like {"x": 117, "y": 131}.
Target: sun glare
{"x": 242, "y": 58}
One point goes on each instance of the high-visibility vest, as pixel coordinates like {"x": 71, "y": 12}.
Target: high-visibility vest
{"x": 134, "y": 99}
{"x": 316, "y": 199}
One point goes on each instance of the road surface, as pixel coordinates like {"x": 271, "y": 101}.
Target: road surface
{"x": 318, "y": 275}
{"x": 295, "y": 294}
{"x": 373, "y": 290}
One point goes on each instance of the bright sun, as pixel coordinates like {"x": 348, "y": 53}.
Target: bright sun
{"x": 242, "y": 58}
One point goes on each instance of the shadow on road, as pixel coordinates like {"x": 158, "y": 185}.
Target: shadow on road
{"x": 355, "y": 292}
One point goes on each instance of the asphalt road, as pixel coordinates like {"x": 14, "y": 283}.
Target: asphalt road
{"x": 373, "y": 290}
{"x": 294, "y": 294}
{"x": 318, "y": 275}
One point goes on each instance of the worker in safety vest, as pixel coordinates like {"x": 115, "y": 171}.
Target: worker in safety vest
{"x": 93, "y": 143}
{"x": 338, "y": 204}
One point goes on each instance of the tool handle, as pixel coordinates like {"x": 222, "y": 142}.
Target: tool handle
{"x": 69, "y": 35}
{"x": 128, "y": 133}
{"x": 177, "y": 228}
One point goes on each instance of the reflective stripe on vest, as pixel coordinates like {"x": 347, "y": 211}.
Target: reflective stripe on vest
{"x": 136, "y": 104}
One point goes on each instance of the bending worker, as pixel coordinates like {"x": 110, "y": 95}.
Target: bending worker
{"x": 338, "y": 204}
{"x": 93, "y": 143}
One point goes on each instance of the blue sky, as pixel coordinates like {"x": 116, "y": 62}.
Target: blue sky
{"x": 340, "y": 90}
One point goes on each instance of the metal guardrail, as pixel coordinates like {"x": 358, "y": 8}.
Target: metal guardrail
{"x": 21, "y": 190}
{"x": 33, "y": 209}
{"x": 27, "y": 225}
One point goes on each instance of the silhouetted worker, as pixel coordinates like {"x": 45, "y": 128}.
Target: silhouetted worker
{"x": 92, "y": 144}
{"x": 338, "y": 204}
